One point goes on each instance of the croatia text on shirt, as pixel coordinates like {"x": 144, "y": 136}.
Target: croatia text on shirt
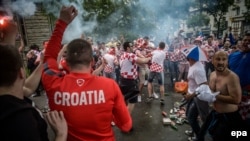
{"x": 75, "y": 99}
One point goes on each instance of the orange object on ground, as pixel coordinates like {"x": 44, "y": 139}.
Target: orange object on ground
{"x": 181, "y": 87}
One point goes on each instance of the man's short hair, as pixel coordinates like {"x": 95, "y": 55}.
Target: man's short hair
{"x": 162, "y": 45}
{"x": 10, "y": 65}
{"x": 146, "y": 38}
{"x": 126, "y": 45}
{"x": 79, "y": 52}
{"x": 34, "y": 47}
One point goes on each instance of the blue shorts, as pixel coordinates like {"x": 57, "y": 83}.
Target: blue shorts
{"x": 159, "y": 75}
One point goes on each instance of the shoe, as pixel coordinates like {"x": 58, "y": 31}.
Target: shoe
{"x": 139, "y": 98}
{"x": 162, "y": 102}
{"x": 191, "y": 138}
{"x": 189, "y": 133}
{"x": 149, "y": 99}
{"x": 155, "y": 95}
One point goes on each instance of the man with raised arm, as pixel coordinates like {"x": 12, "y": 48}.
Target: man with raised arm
{"x": 90, "y": 103}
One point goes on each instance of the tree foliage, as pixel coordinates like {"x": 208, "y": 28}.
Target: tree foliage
{"x": 216, "y": 8}
{"x": 132, "y": 17}
{"x": 198, "y": 20}
{"x": 247, "y": 13}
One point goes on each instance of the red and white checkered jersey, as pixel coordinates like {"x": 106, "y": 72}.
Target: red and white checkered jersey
{"x": 228, "y": 51}
{"x": 244, "y": 107}
{"x": 110, "y": 63}
{"x": 140, "y": 43}
{"x": 158, "y": 57}
{"x": 207, "y": 49}
{"x": 128, "y": 66}
{"x": 173, "y": 57}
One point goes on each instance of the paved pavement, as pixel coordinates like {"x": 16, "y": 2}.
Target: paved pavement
{"x": 148, "y": 125}
{"x": 147, "y": 119}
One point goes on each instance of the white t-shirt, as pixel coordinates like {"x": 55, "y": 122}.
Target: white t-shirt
{"x": 157, "y": 60}
{"x": 196, "y": 76}
{"x": 110, "y": 63}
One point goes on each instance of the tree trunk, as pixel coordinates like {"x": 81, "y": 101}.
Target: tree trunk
{"x": 218, "y": 27}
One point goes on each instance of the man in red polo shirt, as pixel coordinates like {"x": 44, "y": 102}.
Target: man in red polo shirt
{"x": 89, "y": 102}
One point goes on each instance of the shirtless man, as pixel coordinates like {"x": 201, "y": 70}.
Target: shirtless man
{"x": 227, "y": 83}
{"x": 225, "y": 117}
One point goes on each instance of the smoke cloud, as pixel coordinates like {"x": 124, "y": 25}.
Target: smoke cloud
{"x": 27, "y": 8}
{"x": 162, "y": 14}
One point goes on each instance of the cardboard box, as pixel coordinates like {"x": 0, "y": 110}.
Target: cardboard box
{"x": 166, "y": 121}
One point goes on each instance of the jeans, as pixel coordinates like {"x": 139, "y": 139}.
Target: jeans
{"x": 166, "y": 65}
{"x": 111, "y": 75}
{"x": 174, "y": 71}
{"x": 117, "y": 73}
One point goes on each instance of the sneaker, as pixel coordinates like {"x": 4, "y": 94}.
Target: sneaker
{"x": 189, "y": 133}
{"x": 191, "y": 138}
{"x": 162, "y": 102}
{"x": 149, "y": 99}
{"x": 139, "y": 98}
{"x": 155, "y": 95}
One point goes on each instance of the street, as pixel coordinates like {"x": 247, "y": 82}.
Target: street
{"x": 147, "y": 118}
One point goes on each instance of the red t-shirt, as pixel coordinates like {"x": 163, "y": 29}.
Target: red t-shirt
{"x": 89, "y": 102}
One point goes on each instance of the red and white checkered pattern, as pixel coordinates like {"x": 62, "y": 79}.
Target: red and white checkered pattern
{"x": 158, "y": 57}
{"x": 207, "y": 48}
{"x": 140, "y": 43}
{"x": 128, "y": 66}
{"x": 156, "y": 67}
{"x": 108, "y": 69}
{"x": 181, "y": 57}
{"x": 244, "y": 107}
{"x": 110, "y": 59}
{"x": 173, "y": 57}
{"x": 167, "y": 55}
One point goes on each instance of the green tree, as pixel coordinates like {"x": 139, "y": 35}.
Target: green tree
{"x": 247, "y": 13}
{"x": 129, "y": 17}
{"x": 198, "y": 20}
{"x": 216, "y": 8}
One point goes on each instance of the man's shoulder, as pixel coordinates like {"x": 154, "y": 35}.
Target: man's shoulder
{"x": 13, "y": 107}
{"x": 232, "y": 76}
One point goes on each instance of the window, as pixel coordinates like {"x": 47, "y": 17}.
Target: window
{"x": 237, "y": 11}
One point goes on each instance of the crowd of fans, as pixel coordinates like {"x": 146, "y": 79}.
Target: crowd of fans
{"x": 71, "y": 79}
